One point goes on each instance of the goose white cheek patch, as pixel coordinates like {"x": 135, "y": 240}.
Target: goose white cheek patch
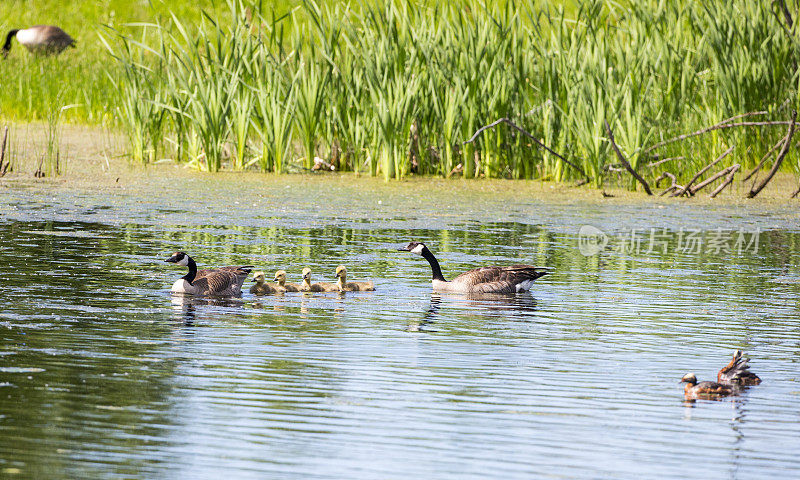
{"x": 418, "y": 249}
{"x": 184, "y": 262}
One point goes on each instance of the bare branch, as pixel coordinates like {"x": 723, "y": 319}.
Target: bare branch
{"x": 655, "y": 164}
{"x": 687, "y": 188}
{"x": 624, "y": 161}
{"x": 712, "y": 179}
{"x": 719, "y": 126}
{"x": 764, "y": 159}
{"x": 775, "y": 166}
{"x": 728, "y": 180}
{"x": 513, "y": 125}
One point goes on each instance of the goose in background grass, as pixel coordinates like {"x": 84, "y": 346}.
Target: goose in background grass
{"x": 40, "y": 40}
{"x": 345, "y": 286}
{"x": 512, "y": 279}
{"x": 261, "y": 286}
{"x": 282, "y": 286}
{"x": 737, "y": 372}
{"x": 220, "y": 282}
{"x": 307, "y": 286}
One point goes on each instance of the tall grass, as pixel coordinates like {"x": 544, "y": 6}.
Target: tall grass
{"x": 398, "y": 88}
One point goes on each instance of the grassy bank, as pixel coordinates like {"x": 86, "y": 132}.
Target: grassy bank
{"x": 398, "y": 88}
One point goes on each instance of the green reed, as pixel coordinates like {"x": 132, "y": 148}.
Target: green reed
{"x": 398, "y": 88}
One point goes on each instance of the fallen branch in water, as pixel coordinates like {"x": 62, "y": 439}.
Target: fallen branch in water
{"x": 775, "y": 166}
{"x": 513, "y": 125}
{"x": 764, "y": 159}
{"x": 624, "y": 161}
{"x": 4, "y": 166}
{"x": 665, "y": 175}
{"x": 687, "y": 189}
{"x": 712, "y": 179}
{"x": 728, "y": 180}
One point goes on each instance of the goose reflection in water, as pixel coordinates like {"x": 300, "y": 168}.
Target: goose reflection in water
{"x": 511, "y": 304}
{"x": 185, "y": 306}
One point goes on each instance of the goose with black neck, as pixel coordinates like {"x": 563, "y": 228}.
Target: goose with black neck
{"x": 218, "y": 282}
{"x": 491, "y": 279}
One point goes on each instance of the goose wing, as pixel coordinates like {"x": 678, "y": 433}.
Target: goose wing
{"x": 498, "y": 279}
{"x": 221, "y": 281}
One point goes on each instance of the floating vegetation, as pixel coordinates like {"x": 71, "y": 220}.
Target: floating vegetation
{"x": 402, "y": 88}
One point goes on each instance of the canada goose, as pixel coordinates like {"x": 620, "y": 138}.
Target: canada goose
{"x": 513, "y": 279}
{"x": 737, "y": 372}
{"x": 40, "y": 40}
{"x": 345, "y": 286}
{"x": 693, "y": 389}
{"x": 261, "y": 286}
{"x": 307, "y": 286}
{"x": 223, "y": 281}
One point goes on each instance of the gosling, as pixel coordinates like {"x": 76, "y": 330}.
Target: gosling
{"x": 307, "y": 286}
{"x": 282, "y": 286}
{"x": 345, "y": 286}
{"x": 261, "y": 286}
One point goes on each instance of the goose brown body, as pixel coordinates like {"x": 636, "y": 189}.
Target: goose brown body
{"x": 40, "y": 40}
{"x": 222, "y": 282}
{"x": 737, "y": 372}
{"x": 493, "y": 279}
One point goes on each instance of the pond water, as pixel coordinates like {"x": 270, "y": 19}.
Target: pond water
{"x": 104, "y": 374}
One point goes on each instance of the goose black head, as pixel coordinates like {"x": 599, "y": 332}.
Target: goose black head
{"x": 413, "y": 247}
{"x": 179, "y": 258}
{"x": 689, "y": 378}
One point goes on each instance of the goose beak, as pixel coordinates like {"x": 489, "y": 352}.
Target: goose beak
{"x": 171, "y": 259}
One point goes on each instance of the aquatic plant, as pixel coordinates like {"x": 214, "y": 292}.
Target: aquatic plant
{"x": 399, "y": 88}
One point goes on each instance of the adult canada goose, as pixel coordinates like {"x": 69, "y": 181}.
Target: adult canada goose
{"x": 282, "y": 286}
{"x": 261, "y": 286}
{"x": 513, "y": 279}
{"x": 345, "y": 286}
{"x": 40, "y": 40}
{"x": 693, "y": 389}
{"x": 222, "y": 282}
{"x": 307, "y": 286}
{"x": 737, "y": 372}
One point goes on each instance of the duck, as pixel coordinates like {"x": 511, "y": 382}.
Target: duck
{"x": 40, "y": 40}
{"x": 307, "y": 286}
{"x": 261, "y": 286}
{"x": 737, "y": 372}
{"x": 345, "y": 286}
{"x": 493, "y": 279}
{"x": 693, "y": 389}
{"x": 282, "y": 286}
{"x": 220, "y": 282}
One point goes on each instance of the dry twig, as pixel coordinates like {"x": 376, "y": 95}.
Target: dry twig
{"x": 775, "y": 166}
{"x": 624, "y": 161}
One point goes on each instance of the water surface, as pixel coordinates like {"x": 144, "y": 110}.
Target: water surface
{"x": 104, "y": 374}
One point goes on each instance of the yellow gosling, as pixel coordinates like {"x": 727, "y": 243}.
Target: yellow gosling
{"x": 261, "y": 286}
{"x": 307, "y": 286}
{"x": 282, "y": 286}
{"x": 345, "y": 286}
